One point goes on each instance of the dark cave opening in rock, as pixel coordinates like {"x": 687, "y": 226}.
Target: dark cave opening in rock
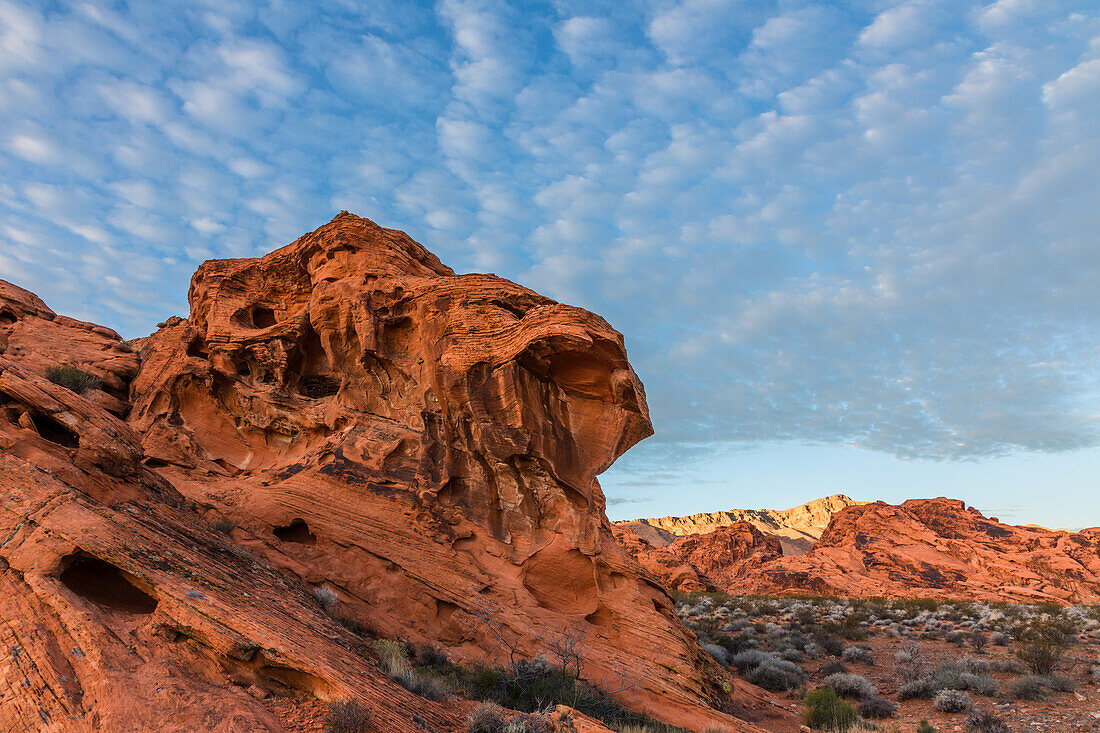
{"x": 105, "y": 585}
{"x": 54, "y": 431}
{"x": 296, "y": 531}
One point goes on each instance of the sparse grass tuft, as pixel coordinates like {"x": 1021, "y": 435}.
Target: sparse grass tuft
{"x": 72, "y": 378}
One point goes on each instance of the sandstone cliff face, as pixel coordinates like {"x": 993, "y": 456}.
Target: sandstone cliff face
{"x": 424, "y": 444}
{"x": 122, "y": 611}
{"x": 938, "y": 548}
{"x": 797, "y": 529}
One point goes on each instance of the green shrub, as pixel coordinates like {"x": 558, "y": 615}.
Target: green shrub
{"x": 347, "y": 716}
{"x": 1042, "y": 643}
{"x": 1029, "y": 687}
{"x": 73, "y": 379}
{"x": 822, "y": 709}
{"x": 925, "y": 727}
{"x": 393, "y": 657}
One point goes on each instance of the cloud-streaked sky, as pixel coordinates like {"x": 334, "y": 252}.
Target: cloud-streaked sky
{"x": 868, "y": 230}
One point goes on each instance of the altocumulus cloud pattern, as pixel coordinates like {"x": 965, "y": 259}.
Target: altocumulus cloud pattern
{"x": 870, "y": 223}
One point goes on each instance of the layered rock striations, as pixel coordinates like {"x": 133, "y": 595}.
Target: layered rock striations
{"x": 797, "y": 528}
{"x": 938, "y": 548}
{"x": 360, "y": 419}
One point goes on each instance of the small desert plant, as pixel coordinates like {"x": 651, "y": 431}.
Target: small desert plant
{"x": 326, "y": 597}
{"x": 1043, "y": 642}
{"x": 225, "y": 525}
{"x": 877, "y": 706}
{"x": 923, "y": 688}
{"x": 834, "y": 667}
{"x": 347, "y": 716}
{"x": 1028, "y": 687}
{"x": 750, "y": 659}
{"x": 718, "y": 652}
{"x": 1060, "y": 682}
{"x": 425, "y": 687}
{"x": 822, "y": 709}
{"x": 487, "y": 718}
{"x": 857, "y": 654}
{"x": 71, "y": 378}
{"x": 777, "y": 676}
{"x": 925, "y": 727}
{"x": 831, "y": 645}
{"x": 978, "y": 641}
{"x": 1000, "y": 638}
{"x": 983, "y": 721}
{"x": 952, "y": 701}
{"x": 393, "y": 657}
{"x": 850, "y": 685}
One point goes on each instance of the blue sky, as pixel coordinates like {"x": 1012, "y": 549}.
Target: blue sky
{"x": 852, "y": 246}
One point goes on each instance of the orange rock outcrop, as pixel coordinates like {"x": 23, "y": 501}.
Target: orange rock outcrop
{"x": 421, "y": 445}
{"x": 703, "y": 562}
{"x": 938, "y": 548}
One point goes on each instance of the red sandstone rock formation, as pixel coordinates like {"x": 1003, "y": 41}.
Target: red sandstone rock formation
{"x": 703, "y": 562}
{"x": 937, "y": 548}
{"x": 423, "y": 444}
{"x": 797, "y": 529}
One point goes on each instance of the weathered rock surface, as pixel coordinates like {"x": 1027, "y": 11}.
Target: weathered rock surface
{"x": 937, "y": 548}
{"x": 703, "y": 562}
{"x": 426, "y": 445}
{"x": 797, "y": 529}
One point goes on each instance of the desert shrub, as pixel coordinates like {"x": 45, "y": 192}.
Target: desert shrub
{"x": 975, "y": 665}
{"x": 822, "y": 709}
{"x": 719, "y": 653}
{"x": 922, "y": 688}
{"x": 1000, "y": 638}
{"x": 487, "y": 718}
{"x": 393, "y": 657}
{"x": 834, "y": 667}
{"x": 850, "y": 685}
{"x": 1010, "y": 666}
{"x": 429, "y": 655}
{"x": 750, "y": 659}
{"x": 982, "y": 684}
{"x": 1029, "y": 687}
{"x": 737, "y": 643}
{"x": 877, "y": 706}
{"x": 831, "y": 645}
{"x": 425, "y": 687}
{"x": 857, "y": 654}
{"x": 792, "y": 654}
{"x": 952, "y": 701}
{"x": 326, "y": 597}
{"x": 72, "y": 379}
{"x": 978, "y": 641}
{"x": 1060, "y": 682}
{"x": 925, "y": 727}
{"x": 225, "y": 525}
{"x": 347, "y": 716}
{"x": 983, "y": 721}
{"x": 777, "y": 676}
{"x": 1042, "y": 643}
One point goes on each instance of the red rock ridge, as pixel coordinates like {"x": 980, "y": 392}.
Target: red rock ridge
{"x": 938, "y": 548}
